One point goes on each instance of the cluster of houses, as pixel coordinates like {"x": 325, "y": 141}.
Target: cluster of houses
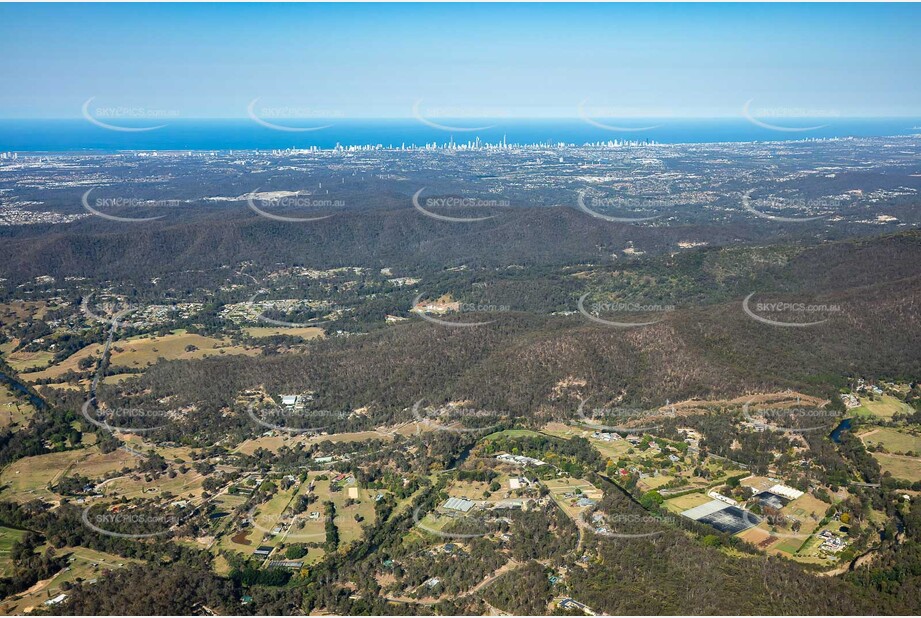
{"x": 579, "y": 500}
{"x": 520, "y": 460}
{"x": 831, "y": 543}
{"x": 864, "y": 387}
{"x": 601, "y": 526}
{"x": 343, "y": 477}
{"x": 462, "y": 505}
{"x": 296, "y": 402}
{"x": 850, "y": 401}
{"x": 691, "y": 438}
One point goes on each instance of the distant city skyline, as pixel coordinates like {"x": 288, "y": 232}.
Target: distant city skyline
{"x": 283, "y": 61}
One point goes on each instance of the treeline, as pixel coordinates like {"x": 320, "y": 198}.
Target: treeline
{"x": 50, "y": 429}
{"x": 544, "y": 534}
{"x": 721, "y": 432}
{"x": 457, "y": 573}
{"x": 154, "y": 590}
{"x": 896, "y": 569}
{"x": 63, "y": 527}
{"x": 574, "y": 456}
{"x": 526, "y": 591}
{"x": 390, "y": 237}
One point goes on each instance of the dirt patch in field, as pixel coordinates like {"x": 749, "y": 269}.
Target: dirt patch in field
{"x": 241, "y": 538}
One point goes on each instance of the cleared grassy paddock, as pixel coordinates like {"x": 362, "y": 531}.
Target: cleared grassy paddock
{"x": 559, "y": 487}
{"x": 29, "y": 478}
{"x": 19, "y": 310}
{"x": 8, "y": 536}
{"x": 893, "y": 440}
{"x": 274, "y": 442}
{"x": 186, "y": 486}
{"x": 475, "y": 490}
{"x": 14, "y": 411}
{"x": 349, "y": 529}
{"x": 885, "y": 406}
{"x": 901, "y": 467}
{"x": 23, "y": 361}
{"x": 655, "y": 482}
{"x": 688, "y": 501}
{"x": 143, "y": 351}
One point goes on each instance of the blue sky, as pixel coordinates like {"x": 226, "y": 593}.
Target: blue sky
{"x": 504, "y": 60}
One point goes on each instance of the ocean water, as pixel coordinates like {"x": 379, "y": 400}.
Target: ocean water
{"x": 245, "y": 134}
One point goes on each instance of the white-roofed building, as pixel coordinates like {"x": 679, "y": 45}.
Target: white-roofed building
{"x": 786, "y": 492}
{"x": 718, "y": 496}
{"x": 58, "y": 599}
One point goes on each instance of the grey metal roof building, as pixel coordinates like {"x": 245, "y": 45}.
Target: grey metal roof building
{"x": 458, "y": 504}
